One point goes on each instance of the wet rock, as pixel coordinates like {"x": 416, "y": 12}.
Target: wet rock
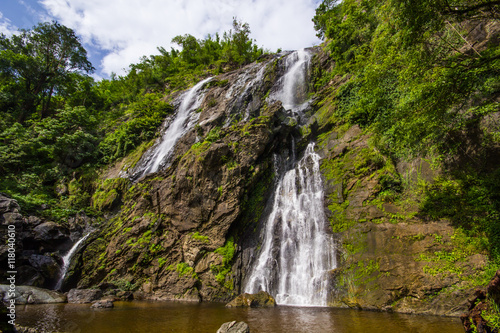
{"x": 259, "y": 300}
{"x": 102, "y": 304}
{"x": 33, "y": 295}
{"x": 84, "y": 295}
{"x": 234, "y": 327}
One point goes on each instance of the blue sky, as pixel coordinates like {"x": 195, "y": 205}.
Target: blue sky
{"x": 116, "y": 33}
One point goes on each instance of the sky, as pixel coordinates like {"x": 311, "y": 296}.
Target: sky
{"x": 117, "y": 33}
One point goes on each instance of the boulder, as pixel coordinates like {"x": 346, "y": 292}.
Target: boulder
{"x": 234, "y": 327}
{"x": 259, "y": 300}
{"x": 45, "y": 264}
{"x": 84, "y": 295}
{"x": 12, "y": 218}
{"x": 8, "y": 205}
{"x": 102, "y": 304}
{"x": 50, "y": 231}
{"x": 32, "y": 295}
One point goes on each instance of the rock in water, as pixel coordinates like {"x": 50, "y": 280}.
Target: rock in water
{"x": 234, "y": 327}
{"x": 84, "y": 295}
{"x": 259, "y": 300}
{"x": 102, "y": 304}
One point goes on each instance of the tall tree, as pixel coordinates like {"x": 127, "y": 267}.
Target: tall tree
{"x": 37, "y": 63}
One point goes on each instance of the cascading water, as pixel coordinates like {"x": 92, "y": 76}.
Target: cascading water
{"x": 297, "y": 252}
{"x": 184, "y": 120}
{"x": 67, "y": 260}
{"x": 292, "y": 87}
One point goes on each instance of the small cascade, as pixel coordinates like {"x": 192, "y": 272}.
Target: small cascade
{"x": 242, "y": 94}
{"x": 184, "y": 120}
{"x": 67, "y": 260}
{"x": 292, "y": 87}
{"x": 297, "y": 251}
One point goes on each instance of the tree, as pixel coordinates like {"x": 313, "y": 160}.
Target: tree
{"x": 238, "y": 46}
{"x": 37, "y": 63}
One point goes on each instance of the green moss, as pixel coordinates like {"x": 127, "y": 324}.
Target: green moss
{"x": 184, "y": 269}
{"x": 196, "y": 235}
{"x": 161, "y": 262}
{"x": 222, "y": 271}
{"x": 453, "y": 259}
{"x": 109, "y": 192}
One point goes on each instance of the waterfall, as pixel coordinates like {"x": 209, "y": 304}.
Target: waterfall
{"x": 292, "y": 87}
{"x": 184, "y": 120}
{"x": 297, "y": 252}
{"x": 67, "y": 260}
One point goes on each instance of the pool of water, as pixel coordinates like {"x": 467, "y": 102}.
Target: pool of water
{"x": 208, "y": 317}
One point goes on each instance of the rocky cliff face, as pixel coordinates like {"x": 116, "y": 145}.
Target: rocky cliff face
{"x": 177, "y": 231}
{"x": 39, "y": 244}
{"x": 391, "y": 257}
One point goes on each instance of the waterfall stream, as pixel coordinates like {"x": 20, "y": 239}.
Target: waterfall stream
{"x": 67, "y": 260}
{"x": 184, "y": 120}
{"x": 297, "y": 252}
{"x": 292, "y": 87}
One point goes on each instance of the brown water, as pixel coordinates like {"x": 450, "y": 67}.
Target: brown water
{"x": 208, "y": 317}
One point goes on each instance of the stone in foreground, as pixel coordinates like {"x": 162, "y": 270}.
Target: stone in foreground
{"x": 259, "y": 300}
{"x": 234, "y": 327}
{"x": 84, "y": 295}
{"x": 102, "y": 304}
{"x": 32, "y": 295}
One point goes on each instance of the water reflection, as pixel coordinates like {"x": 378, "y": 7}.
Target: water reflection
{"x": 204, "y": 317}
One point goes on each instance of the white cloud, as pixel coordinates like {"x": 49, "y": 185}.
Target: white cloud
{"x": 6, "y": 27}
{"x": 129, "y": 29}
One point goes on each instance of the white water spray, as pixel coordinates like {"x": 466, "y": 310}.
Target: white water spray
{"x": 293, "y": 85}
{"x": 67, "y": 260}
{"x": 185, "y": 119}
{"x": 297, "y": 252}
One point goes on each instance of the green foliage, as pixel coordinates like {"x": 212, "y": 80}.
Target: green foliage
{"x": 408, "y": 81}
{"x": 213, "y": 135}
{"x": 36, "y": 63}
{"x": 184, "y": 269}
{"x": 162, "y": 262}
{"x": 108, "y": 192}
{"x": 416, "y": 75}
{"x": 200, "y": 237}
{"x": 221, "y": 271}
{"x": 144, "y": 118}
{"x": 470, "y": 200}
{"x": 492, "y": 314}
{"x": 125, "y": 285}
